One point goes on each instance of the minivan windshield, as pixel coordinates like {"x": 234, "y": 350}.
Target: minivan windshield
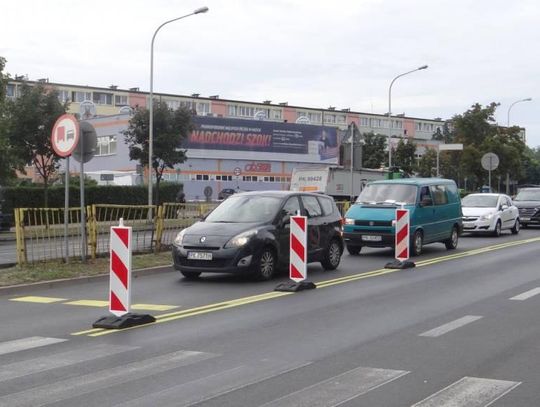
{"x": 479, "y": 201}
{"x": 388, "y": 194}
{"x": 528, "y": 195}
{"x": 245, "y": 209}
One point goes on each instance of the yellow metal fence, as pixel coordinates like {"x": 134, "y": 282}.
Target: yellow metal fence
{"x": 39, "y": 232}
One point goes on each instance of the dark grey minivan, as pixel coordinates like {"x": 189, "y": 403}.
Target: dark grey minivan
{"x": 248, "y": 233}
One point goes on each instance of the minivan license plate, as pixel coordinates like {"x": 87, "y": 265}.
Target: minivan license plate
{"x": 199, "y": 256}
{"x": 371, "y": 238}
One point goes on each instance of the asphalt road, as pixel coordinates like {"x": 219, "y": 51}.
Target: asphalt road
{"x": 460, "y": 329}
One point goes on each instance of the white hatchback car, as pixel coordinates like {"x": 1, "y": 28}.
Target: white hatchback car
{"x": 489, "y": 213}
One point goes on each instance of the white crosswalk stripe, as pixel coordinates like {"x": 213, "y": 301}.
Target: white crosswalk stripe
{"x": 18, "y": 345}
{"x": 339, "y": 389}
{"x": 470, "y": 392}
{"x": 49, "y": 362}
{"x": 76, "y": 386}
{"x": 214, "y": 385}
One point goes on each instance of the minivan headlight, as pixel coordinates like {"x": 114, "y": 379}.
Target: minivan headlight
{"x": 179, "y": 237}
{"x": 349, "y": 221}
{"x": 241, "y": 239}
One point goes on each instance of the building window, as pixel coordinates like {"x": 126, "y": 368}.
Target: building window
{"x": 364, "y": 121}
{"x": 203, "y": 108}
{"x": 79, "y": 97}
{"x": 276, "y": 114}
{"x": 329, "y": 118}
{"x": 63, "y": 96}
{"x": 172, "y": 104}
{"x": 340, "y": 119}
{"x": 418, "y": 126}
{"x": 102, "y": 98}
{"x": 106, "y": 145}
{"x": 120, "y": 100}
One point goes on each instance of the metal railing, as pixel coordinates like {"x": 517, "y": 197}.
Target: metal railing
{"x": 39, "y": 232}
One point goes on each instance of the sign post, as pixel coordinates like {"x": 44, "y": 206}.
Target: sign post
{"x": 64, "y": 139}
{"x": 120, "y": 282}
{"x": 490, "y": 162}
{"x": 297, "y": 257}
{"x": 402, "y": 238}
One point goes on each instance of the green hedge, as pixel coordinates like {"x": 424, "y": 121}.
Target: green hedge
{"x": 33, "y": 197}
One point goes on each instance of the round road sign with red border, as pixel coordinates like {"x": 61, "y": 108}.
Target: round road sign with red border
{"x": 65, "y": 135}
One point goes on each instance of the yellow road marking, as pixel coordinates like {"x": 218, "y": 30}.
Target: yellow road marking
{"x": 276, "y": 294}
{"x": 89, "y": 303}
{"x": 153, "y": 307}
{"x": 39, "y": 300}
{"x": 103, "y": 304}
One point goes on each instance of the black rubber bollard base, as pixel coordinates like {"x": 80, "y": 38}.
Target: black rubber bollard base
{"x": 125, "y": 321}
{"x": 294, "y": 287}
{"x": 396, "y": 264}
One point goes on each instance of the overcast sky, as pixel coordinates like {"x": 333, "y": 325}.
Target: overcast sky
{"x": 306, "y": 52}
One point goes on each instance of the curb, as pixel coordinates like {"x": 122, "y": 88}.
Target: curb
{"x": 65, "y": 282}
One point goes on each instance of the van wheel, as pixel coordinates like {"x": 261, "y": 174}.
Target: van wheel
{"x": 515, "y": 228}
{"x": 497, "y": 231}
{"x": 191, "y": 275}
{"x": 332, "y": 257}
{"x": 354, "y": 250}
{"x": 452, "y": 243}
{"x": 417, "y": 243}
{"x": 266, "y": 267}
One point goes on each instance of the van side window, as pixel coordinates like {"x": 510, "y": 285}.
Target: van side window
{"x": 424, "y": 193}
{"x": 439, "y": 194}
{"x": 327, "y": 205}
{"x": 311, "y": 205}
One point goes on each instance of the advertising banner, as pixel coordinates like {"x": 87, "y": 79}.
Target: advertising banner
{"x": 212, "y": 133}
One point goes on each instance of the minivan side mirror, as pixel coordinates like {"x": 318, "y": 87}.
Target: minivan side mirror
{"x": 426, "y": 201}
{"x": 504, "y": 207}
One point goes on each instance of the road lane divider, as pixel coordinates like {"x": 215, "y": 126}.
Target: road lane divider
{"x": 451, "y": 326}
{"x": 526, "y": 295}
{"x": 205, "y": 309}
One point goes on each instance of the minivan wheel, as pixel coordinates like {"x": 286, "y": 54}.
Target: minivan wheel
{"x": 332, "y": 257}
{"x": 497, "y": 231}
{"x": 452, "y": 243}
{"x": 191, "y": 275}
{"x": 515, "y": 228}
{"x": 417, "y": 243}
{"x": 266, "y": 267}
{"x": 354, "y": 250}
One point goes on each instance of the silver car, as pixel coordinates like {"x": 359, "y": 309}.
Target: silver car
{"x": 489, "y": 213}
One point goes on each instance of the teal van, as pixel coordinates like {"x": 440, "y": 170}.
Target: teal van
{"x": 434, "y": 213}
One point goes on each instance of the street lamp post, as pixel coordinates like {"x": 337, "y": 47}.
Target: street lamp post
{"x": 508, "y": 125}
{"x": 512, "y": 105}
{"x": 151, "y": 105}
{"x": 390, "y": 110}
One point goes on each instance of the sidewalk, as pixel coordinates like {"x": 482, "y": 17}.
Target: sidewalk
{"x": 7, "y": 236}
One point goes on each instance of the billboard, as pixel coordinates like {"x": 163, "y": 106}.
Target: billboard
{"x": 213, "y": 133}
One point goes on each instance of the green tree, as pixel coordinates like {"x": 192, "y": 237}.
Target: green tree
{"x": 32, "y": 117}
{"x": 7, "y": 158}
{"x": 427, "y": 163}
{"x": 479, "y": 133}
{"x": 405, "y": 156}
{"x": 373, "y": 150}
{"x": 170, "y": 128}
